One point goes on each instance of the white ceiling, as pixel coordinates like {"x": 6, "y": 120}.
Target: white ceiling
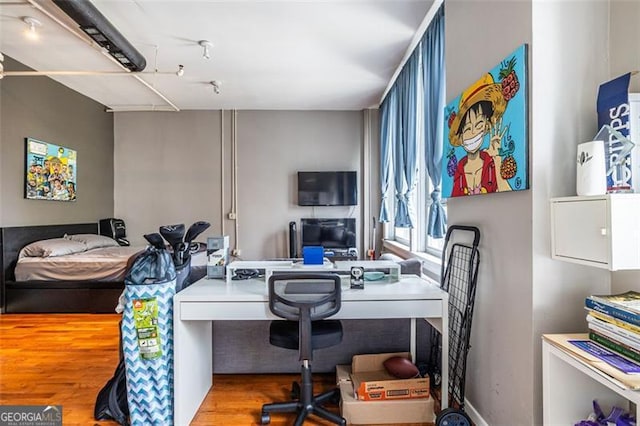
{"x": 299, "y": 55}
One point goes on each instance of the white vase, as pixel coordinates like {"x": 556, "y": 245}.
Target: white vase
{"x": 591, "y": 174}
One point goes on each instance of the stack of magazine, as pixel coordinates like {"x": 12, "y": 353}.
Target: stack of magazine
{"x": 614, "y": 322}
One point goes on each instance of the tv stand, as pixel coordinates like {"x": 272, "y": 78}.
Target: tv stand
{"x": 334, "y": 254}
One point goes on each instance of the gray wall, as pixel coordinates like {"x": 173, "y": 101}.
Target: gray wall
{"x": 41, "y": 108}
{"x": 173, "y": 168}
{"x": 272, "y": 147}
{"x": 167, "y": 170}
{"x": 499, "y": 379}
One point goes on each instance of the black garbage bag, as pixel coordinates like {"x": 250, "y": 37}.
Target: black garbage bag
{"x": 111, "y": 402}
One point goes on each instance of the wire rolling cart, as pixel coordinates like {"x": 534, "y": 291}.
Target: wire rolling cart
{"x": 459, "y": 275}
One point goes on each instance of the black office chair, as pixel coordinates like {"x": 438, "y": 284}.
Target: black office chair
{"x": 304, "y": 299}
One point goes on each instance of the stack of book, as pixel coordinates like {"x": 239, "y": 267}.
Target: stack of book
{"x": 614, "y": 322}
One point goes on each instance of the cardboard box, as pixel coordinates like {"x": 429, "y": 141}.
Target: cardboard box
{"x": 379, "y": 385}
{"x": 371, "y": 381}
{"x": 393, "y": 411}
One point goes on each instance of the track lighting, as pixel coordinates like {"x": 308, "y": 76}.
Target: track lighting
{"x": 33, "y": 24}
{"x": 91, "y": 22}
{"x": 206, "y": 46}
{"x": 216, "y": 86}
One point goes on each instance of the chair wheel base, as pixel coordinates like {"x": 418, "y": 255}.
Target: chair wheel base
{"x": 295, "y": 391}
{"x": 265, "y": 419}
{"x": 335, "y": 399}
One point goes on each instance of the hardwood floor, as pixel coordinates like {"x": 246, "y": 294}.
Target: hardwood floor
{"x": 63, "y": 359}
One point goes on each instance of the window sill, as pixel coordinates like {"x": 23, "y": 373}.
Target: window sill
{"x": 430, "y": 264}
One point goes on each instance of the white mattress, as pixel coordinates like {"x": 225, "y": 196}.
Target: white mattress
{"x": 101, "y": 264}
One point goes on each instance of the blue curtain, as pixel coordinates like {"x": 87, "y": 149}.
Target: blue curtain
{"x": 432, "y": 46}
{"x": 412, "y": 113}
{"x": 406, "y": 166}
{"x": 388, "y": 119}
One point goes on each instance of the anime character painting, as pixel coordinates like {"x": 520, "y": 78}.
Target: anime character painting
{"x": 50, "y": 172}
{"x": 486, "y": 139}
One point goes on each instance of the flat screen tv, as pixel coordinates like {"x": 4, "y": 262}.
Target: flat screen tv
{"x": 329, "y": 233}
{"x": 327, "y": 189}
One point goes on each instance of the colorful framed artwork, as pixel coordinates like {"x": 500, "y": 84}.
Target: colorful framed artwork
{"x": 51, "y": 171}
{"x": 486, "y": 138}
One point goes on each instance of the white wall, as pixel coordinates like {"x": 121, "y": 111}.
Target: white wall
{"x": 625, "y": 32}
{"x": 569, "y": 63}
{"x": 624, "y": 37}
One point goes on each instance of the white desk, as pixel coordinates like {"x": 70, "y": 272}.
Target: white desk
{"x": 215, "y": 300}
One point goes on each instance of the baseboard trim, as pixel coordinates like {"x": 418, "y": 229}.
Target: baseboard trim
{"x": 473, "y": 413}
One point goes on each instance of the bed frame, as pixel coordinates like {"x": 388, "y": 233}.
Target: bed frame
{"x": 50, "y": 296}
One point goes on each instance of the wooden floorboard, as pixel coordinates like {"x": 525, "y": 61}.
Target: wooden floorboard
{"x": 65, "y": 359}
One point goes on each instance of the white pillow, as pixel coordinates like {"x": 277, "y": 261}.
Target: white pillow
{"x": 93, "y": 241}
{"x": 52, "y": 247}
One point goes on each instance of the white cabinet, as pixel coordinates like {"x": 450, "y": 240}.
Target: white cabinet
{"x": 601, "y": 231}
{"x": 569, "y": 386}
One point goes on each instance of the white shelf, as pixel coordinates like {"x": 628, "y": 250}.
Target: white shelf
{"x": 601, "y": 231}
{"x": 392, "y": 269}
{"x": 569, "y": 386}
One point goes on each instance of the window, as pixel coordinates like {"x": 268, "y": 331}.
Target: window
{"x": 416, "y": 240}
{"x": 411, "y": 238}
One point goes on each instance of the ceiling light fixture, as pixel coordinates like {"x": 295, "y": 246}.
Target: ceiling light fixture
{"x": 206, "y": 46}
{"x": 33, "y": 23}
{"x": 216, "y": 86}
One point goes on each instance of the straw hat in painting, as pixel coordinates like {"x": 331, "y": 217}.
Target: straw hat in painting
{"x": 484, "y": 89}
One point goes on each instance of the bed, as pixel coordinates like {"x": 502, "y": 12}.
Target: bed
{"x": 32, "y": 294}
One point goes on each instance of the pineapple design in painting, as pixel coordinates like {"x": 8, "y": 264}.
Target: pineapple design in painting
{"x": 485, "y": 133}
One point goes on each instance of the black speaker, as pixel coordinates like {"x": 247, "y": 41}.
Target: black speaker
{"x": 293, "y": 240}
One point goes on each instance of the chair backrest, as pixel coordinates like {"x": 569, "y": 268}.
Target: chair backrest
{"x": 302, "y": 296}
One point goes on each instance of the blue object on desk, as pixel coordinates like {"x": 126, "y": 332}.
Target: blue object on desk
{"x": 313, "y": 255}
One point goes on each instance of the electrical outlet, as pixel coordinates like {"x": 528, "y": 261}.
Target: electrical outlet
{"x": 236, "y": 252}
{"x": 232, "y": 215}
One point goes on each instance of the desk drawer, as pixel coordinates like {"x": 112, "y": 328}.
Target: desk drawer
{"x": 376, "y": 309}
{"x": 225, "y": 311}
{"x": 366, "y": 309}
